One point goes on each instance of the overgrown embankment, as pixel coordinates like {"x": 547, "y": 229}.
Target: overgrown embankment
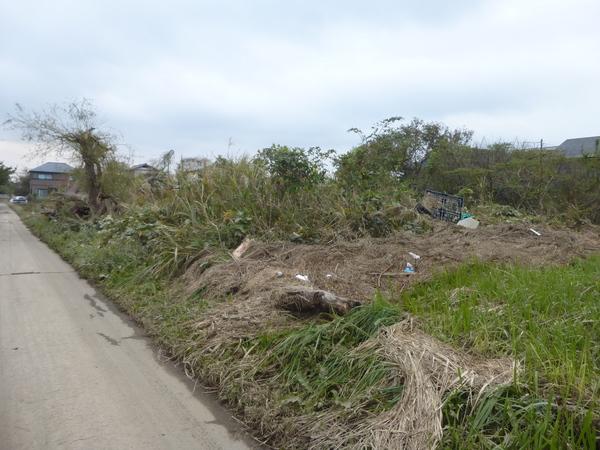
{"x": 501, "y": 349}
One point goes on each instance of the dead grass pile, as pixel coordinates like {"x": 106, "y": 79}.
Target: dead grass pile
{"x": 429, "y": 369}
{"x": 249, "y": 286}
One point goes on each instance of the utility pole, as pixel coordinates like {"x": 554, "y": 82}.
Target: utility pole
{"x": 540, "y": 192}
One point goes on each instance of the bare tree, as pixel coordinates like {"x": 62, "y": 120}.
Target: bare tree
{"x": 70, "y": 131}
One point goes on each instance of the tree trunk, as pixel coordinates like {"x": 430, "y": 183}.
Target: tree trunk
{"x": 93, "y": 187}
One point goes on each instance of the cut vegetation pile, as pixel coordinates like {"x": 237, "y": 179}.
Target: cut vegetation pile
{"x": 428, "y": 371}
{"x": 256, "y": 285}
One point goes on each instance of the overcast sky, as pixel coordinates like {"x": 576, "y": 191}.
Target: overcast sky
{"x": 191, "y": 75}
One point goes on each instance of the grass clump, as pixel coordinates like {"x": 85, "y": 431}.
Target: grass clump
{"x": 322, "y": 364}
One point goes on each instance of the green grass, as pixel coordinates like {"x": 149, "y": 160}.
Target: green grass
{"x": 320, "y": 366}
{"x": 547, "y": 318}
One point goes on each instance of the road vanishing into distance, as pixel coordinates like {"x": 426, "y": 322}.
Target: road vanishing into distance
{"x": 77, "y": 374}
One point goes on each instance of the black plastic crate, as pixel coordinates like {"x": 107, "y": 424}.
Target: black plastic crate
{"x": 443, "y": 206}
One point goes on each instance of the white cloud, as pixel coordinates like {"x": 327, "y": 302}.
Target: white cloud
{"x": 21, "y": 155}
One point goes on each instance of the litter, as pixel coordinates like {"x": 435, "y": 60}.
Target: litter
{"x": 329, "y": 275}
{"x": 242, "y": 248}
{"x": 442, "y": 206}
{"x": 537, "y": 233}
{"x": 414, "y": 255}
{"x": 301, "y": 277}
{"x": 409, "y": 268}
{"x": 469, "y": 222}
{"x": 279, "y": 274}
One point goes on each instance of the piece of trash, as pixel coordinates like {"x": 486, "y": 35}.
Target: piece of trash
{"x": 414, "y": 255}
{"x": 242, "y": 248}
{"x": 409, "y": 268}
{"x": 295, "y": 237}
{"x": 278, "y": 274}
{"x": 329, "y": 275}
{"x": 301, "y": 277}
{"x": 469, "y": 222}
{"x": 537, "y": 233}
{"x": 443, "y": 206}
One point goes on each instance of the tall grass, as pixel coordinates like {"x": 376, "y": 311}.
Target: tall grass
{"x": 230, "y": 200}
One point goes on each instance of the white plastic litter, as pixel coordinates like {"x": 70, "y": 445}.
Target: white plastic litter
{"x": 414, "y": 255}
{"x": 329, "y": 275}
{"x": 537, "y": 233}
{"x": 279, "y": 274}
{"x": 301, "y": 277}
{"x": 242, "y": 248}
{"x": 469, "y": 222}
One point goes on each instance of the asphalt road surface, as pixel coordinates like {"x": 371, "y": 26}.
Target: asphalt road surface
{"x": 76, "y": 374}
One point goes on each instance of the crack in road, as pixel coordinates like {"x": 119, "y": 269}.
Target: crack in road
{"x": 112, "y": 341}
{"x": 32, "y": 272}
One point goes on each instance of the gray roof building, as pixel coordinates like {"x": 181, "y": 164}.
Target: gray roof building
{"x": 574, "y": 148}
{"x": 48, "y": 178}
{"x": 53, "y": 167}
{"x": 143, "y": 169}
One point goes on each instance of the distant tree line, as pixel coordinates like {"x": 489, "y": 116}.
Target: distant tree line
{"x": 395, "y": 156}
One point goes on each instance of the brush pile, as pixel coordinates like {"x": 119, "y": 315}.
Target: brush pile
{"x": 253, "y": 284}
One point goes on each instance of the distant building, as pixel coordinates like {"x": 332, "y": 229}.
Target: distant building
{"x": 193, "y": 164}
{"x": 49, "y": 177}
{"x": 143, "y": 169}
{"x": 578, "y": 147}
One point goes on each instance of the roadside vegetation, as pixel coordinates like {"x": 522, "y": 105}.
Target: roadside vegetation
{"x": 506, "y": 352}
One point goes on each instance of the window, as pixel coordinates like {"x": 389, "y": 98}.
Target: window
{"x": 44, "y": 176}
{"x": 42, "y": 193}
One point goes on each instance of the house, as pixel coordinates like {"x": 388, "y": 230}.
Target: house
{"x": 193, "y": 164}
{"x": 143, "y": 169}
{"x": 49, "y": 177}
{"x": 578, "y": 147}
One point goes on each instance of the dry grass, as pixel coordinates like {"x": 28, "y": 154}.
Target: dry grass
{"x": 248, "y": 286}
{"x": 429, "y": 369}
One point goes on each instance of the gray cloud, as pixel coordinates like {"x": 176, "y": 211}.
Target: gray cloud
{"x": 191, "y": 74}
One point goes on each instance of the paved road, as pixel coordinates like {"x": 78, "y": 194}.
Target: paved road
{"x": 75, "y": 374}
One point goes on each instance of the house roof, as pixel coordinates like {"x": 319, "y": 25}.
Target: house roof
{"x": 53, "y": 167}
{"x": 143, "y": 166}
{"x": 580, "y": 146}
